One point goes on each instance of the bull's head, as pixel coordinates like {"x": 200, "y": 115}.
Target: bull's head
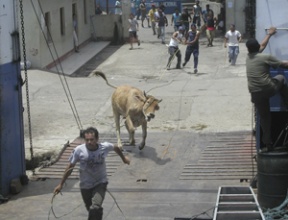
{"x": 150, "y": 106}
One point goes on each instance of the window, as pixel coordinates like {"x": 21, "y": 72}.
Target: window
{"x": 85, "y": 11}
{"x": 62, "y": 22}
{"x": 48, "y": 26}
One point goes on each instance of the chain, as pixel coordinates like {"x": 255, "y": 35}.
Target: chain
{"x": 26, "y": 80}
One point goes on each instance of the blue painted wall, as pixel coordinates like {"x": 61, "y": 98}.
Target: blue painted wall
{"x": 170, "y": 5}
{"x": 12, "y": 151}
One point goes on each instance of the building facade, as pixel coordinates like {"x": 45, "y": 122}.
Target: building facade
{"x": 49, "y": 28}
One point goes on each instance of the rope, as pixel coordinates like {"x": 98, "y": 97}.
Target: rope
{"x": 116, "y": 203}
{"x": 202, "y": 213}
{"x": 53, "y": 212}
{"x": 54, "y": 195}
{"x": 279, "y": 212}
{"x": 63, "y": 82}
{"x": 26, "y": 84}
{"x": 252, "y": 124}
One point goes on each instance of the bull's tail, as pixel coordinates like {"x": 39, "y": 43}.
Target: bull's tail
{"x": 101, "y": 74}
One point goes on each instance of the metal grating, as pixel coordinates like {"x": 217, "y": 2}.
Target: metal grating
{"x": 229, "y": 157}
{"x": 56, "y": 170}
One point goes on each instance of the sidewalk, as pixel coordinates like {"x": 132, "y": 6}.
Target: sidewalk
{"x": 75, "y": 61}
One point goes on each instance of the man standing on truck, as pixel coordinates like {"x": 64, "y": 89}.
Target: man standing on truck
{"x": 262, "y": 86}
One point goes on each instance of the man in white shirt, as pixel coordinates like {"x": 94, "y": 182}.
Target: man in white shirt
{"x": 92, "y": 171}
{"x": 233, "y": 37}
{"x": 118, "y": 9}
{"x": 173, "y": 48}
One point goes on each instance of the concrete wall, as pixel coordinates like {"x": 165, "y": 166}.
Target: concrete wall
{"x": 92, "y": 28}
{"x": 235, "y": 14}
{"x": 270, "y": 14}
{"x": 107, "y": 31}
{"x": 37, "y": 50}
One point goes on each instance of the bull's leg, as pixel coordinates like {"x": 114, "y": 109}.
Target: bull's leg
{"x": 131, "y": 130}
{"x": 144, "y": 135}
{"x": 117, "y": 124}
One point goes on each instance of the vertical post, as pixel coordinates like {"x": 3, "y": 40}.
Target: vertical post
{"x": 12, "y": 151}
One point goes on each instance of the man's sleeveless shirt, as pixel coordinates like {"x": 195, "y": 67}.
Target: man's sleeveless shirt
{"x": 191, "y": 37}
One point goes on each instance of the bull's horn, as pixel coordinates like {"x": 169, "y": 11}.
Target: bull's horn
{"x": 159, "y": 100}
{"x": 144, "y": 93}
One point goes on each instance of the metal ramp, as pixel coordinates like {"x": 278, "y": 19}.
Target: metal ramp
{"x": 237, "y": 203}
{"x": 55, "y": 170}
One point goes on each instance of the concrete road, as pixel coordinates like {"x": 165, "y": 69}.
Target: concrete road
{"x": 195, "y": 111}
{"x": 216, "y": 99}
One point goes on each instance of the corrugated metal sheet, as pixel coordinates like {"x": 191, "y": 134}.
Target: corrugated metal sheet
{"x": 56, "y": 170}
{"x": 228, "y": 157}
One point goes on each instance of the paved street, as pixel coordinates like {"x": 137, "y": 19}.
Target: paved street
{"x": 198, "y": 111}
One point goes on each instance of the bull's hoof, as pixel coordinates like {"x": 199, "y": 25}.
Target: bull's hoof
{"x": 132, "y": 143}
{"x": 141, "y": 146}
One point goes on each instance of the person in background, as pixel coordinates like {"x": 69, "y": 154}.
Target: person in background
{"x": 161, "y": 20}
{"x": 118, "y": 7}
{"x": 93, "y": 175}
{"x": 233, "y": 37}
{"x": 133, "y": 28}
{"x": 138, "y": 11}
{"x": 176, "y": 19}
{"x": 207, "y": 12}
{"x": 262, "y": 85}
{"x": 162, "y": 7}
{"x": 143, "y": 10}
{"x": 210, "y": 29}
{"x": 210, "y": 21}
{"x": 98, "y": 10}
{"x": 197, "y": 11}
{"x": 185, "y": 20}
{"x": 173, "y": 48}
{"x": 151, "y": 15}
{"x": 192, "y": 42}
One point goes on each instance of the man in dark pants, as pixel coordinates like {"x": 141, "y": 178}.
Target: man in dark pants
{"x": 261, "y": 85}
{"x": 173, "y": 48}
{"x": 192, "y": 42}
{"x": 93, "y": 177}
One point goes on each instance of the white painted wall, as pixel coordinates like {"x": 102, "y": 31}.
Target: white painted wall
{"x": 36, "y": 47}
{"x": 6, "y": 28}
{"x": 235, "y": 14}
{"x": 99, "y": 26}
{"x": 273, "y": 13}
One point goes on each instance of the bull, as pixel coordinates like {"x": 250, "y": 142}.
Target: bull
{"x": 135, "y": 106}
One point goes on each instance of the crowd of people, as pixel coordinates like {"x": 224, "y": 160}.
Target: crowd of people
{"x": 188, "y": 26}
{"x": 187, "y": 31}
